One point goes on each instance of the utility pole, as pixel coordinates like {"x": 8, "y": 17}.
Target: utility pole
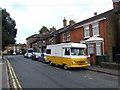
{"x": 1, "y": 54}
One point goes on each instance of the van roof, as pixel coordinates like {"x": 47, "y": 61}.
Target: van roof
{"x": 77, "y": 45}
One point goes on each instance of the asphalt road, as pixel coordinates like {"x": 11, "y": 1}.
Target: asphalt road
{"x": 34, "y": 74}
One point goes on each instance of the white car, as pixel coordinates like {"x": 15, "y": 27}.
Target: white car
{"x": 36, "y": 55}
{"x": 28, "y": 55}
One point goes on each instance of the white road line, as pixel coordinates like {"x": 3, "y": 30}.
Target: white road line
{"x": 1, "y": 63}
{"x": 56, "y": 67}
{"x": 69, "y": 72}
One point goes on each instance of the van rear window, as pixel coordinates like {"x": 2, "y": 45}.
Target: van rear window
{"x": 48, "y": 51}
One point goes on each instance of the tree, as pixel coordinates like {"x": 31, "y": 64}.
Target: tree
{"x": 43, "y": 30}
{"x": 8, "y": 29}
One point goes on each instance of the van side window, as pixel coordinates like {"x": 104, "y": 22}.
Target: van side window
{"x": 48, "y": 51}
{"x": 67, "y": 51}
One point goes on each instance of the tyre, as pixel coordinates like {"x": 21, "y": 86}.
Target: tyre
{"x": 51, "y": 64}
{"x": 65, "y": 67}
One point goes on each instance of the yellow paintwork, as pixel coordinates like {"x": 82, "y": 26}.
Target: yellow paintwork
{"x": 70, "y": 62}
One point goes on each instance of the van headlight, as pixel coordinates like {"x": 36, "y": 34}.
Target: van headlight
{"x": 73, "y": 62}
{"x": 87, "y": 62}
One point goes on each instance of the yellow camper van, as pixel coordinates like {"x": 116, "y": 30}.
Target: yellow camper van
{"x": 67, "y": 54}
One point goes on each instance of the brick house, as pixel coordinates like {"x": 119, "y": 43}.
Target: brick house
{"x": 31, "y": 39}
{"x": 98, "y": 33}
{"x": 17, "y": 48}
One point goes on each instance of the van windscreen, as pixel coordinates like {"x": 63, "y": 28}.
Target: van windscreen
{"x": 77, "y": 51}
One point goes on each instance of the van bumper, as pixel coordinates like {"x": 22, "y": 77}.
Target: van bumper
{"x": 72, "y": 66}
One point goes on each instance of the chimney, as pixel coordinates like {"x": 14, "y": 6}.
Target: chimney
{"x": 71, "y": 22}
{"x": 115, "y": 3}
{"x": 64, "y": 22}
{"x": 95, "y": 13}
{"x": 52, "y": 29}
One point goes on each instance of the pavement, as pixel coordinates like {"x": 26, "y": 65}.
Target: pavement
{"x": 4, "y": 83}
{"x": 104, "y": 70}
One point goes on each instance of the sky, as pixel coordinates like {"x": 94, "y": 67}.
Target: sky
{"x": 32, "y": 15}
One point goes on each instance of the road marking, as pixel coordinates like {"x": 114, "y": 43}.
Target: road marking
{"x": 7, "y": 76}
{"x": 13, "y": 80}
{"x": 1, "y": 63}
{"x": 68, "y": 72}
{"x": 56, "y": 67}
{"x": 14, "y": 77}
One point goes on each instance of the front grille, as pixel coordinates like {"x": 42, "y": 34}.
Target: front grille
{"x": 79, "y": 62}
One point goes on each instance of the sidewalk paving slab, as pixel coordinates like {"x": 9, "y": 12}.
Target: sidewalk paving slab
{"x": 4, "y": 83}
{"x": 104, "y": 70}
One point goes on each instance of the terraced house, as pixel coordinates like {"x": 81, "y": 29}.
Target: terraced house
{"x": 100, "y": 33}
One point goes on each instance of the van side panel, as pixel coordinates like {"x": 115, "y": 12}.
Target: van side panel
{"x": 70, "y": 62}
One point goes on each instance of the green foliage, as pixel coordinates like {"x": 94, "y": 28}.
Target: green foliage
{"x": 119, "y": 4}
{"x": 43, "y": 29}
{"x": 8, "y": 29}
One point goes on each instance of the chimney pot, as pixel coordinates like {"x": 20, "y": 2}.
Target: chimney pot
{"x": 71, "y": 22}
{"x": 64, "y": 22}
{"x": 95, "y": 13}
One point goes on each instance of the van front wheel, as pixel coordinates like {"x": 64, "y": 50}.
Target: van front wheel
{"x": 65, "y": 67}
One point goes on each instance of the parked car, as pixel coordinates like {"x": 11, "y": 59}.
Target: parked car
{"x": 28, "y": 55}
{"x": 36, "y": 55}
{"x": 42, "y": 58}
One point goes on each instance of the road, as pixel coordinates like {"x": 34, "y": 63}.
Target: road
{"x": 34, "y": 74}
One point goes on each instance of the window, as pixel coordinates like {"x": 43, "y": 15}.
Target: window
{"x": 48, "y": 51}
{"x": 90, "y": 48}
{"x": 67, "y": 51}
{"x": 86, "y": 32}
{"x": 68, "y": 36}
{"x": 51, "y": 40}
{"x": 64, "y": 37}
{"x": 98, "y": 48}
{"x": 77, "y": 51}
{"x": 95, "y": 29}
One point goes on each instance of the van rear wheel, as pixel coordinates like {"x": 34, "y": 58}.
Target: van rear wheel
{"x": 51, "y": 63}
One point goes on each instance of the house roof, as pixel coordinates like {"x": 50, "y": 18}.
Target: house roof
{"x": 33, "y": 36}
{"x": 72, "y": 27}
{"x": 94, "y": 39}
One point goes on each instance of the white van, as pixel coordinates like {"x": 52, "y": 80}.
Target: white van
{"x": 68, "y": 55}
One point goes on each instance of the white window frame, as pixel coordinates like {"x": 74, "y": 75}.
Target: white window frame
{"x": 95, "y": 28}
{"x": 90, "y": 48}
{"x": 68, "y": 36}
{"x": 86, "y": 31}
{"x": 98, "y": 48}
{"x": 64, "y": 37}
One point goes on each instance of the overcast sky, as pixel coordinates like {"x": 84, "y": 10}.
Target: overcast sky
{"x": 31, "y": 15}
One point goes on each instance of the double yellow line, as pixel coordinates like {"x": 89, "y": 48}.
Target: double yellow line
{"x": 16, "y": 83}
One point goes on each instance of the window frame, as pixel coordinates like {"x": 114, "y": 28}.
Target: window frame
{"x": 98, "y": 48}
{"x": 68, "y": 36}
{"x": 86, "y": 31}
{"x": 90, "y": 47}
{"x": 64, "y": 37}
{"x": 48, "y": 51}
{"x": 95, "y": 27}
